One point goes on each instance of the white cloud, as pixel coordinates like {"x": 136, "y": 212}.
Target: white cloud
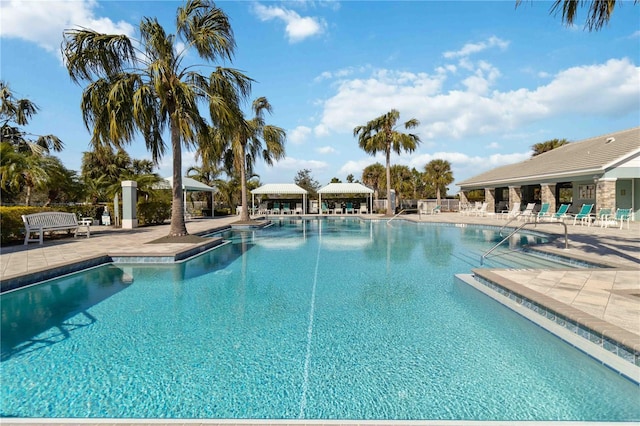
{"x": 493, "y": 145}
{"x": 298, "y": 135}
{"x": 325, "y": 150}
{"x": 43, "y": 22}
{"x": 471, "y": 48}
{"x": 609, "y": 89}
{"x": 290, "y": 163}
{"x": 297, "y": 27}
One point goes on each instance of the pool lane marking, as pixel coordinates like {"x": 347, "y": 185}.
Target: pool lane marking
{"x": 307, "y": 360}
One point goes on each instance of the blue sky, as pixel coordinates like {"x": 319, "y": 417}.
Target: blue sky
{"x": 486, "y": 80}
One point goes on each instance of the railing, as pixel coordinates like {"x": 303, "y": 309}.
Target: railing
{"x": 399, "y": 213}
{"x": 566, "y": 237}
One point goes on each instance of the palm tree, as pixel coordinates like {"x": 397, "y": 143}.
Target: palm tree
{"x": 17, "y": 112}
{"x": 380, "y": 135}
{"x": 599, "y": 14}
{"x": 245, "y": 144}
{"x": 545, "y": 146}
{"x": 439, "y": 173}
{"x": 145, "y": 87}
{"x": 373, "y": 176}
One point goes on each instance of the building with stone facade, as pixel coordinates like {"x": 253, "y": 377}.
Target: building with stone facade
{"x": 603, "y": 170}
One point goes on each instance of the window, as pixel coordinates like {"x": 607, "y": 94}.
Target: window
{"x": 587, "y": 192}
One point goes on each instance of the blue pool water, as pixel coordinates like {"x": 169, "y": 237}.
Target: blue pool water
{"x": 329, "y": 319}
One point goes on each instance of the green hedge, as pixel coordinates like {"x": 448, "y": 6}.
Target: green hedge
{"x": 11, "y": 226}
{"x": 153, "y": 212}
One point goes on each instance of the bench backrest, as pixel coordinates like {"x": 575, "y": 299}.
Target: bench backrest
{"x": 46, "y": 219}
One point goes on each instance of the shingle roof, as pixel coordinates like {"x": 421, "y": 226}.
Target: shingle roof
{"x": 594, "y": 155}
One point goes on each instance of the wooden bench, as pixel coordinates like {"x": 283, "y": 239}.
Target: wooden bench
{"x": 39, "y": 223}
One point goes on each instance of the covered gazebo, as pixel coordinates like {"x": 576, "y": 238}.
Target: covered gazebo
{"x": 346, "y": 188}
{"x": 190, "y": 184}
{"x": 281, "y": 189}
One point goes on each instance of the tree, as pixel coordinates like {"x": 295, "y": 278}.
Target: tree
{"x": 598, "y": 15}
{"x": 373, "y": 176}
{"x": 439, "y": 173}
{"x": 542, "y": 147}
{"x": 244, "y": 144}
{"x": 380, "y": 135}
{"x": 335, "y": 180}
{"x": 17, "y": 112}
{"x": 305, "y": 181}
{"x": 350, "y": 178}
{"x": 146, "y": 88}
{"x": 401, "y": 182}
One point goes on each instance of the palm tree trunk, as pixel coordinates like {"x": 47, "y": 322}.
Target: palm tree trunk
{"x": 244, "y": 216}
{"x": 27, "y": 200}
{"x": 178, "y": 227}
{"x": 388, "y": 154}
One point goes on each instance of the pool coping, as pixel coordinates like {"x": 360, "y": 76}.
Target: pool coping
{"x": 597, "y": 338}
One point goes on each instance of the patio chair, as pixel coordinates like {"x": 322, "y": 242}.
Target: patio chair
{"x": 337, "y": 208}
{"x": 276, "y": 208}
{"x": 363, "y": 208}
{"x": 544, "y": 211}
{"x": 349, "y": 208}
{"x": 510, "y": 214}
{"x": 620, "y": 216}
{"x": 603, "y": 215}
{"x": 298, "y": 208}
{"x": 561, "y": 213}
{"x": 285, "y": 208}
{"x": 324, "y": 209}
{"x": 436, "y": 209}
{"x": 584, "y": 215}
{"x": 527, "y": 213}
{"x": 482, "y": 211}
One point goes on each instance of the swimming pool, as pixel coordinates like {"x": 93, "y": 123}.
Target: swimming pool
{"x": 321, "y": 319}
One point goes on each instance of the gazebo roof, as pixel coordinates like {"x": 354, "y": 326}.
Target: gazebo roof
{"x": 345, "y": 188}
{"x": 190, "y": 184}
{"x": 279, "y": 188}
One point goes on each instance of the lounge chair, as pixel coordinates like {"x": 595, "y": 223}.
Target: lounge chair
{"x": 285, "y": 208}
{"x": 482, "y": 211}
{"x": 527, "y": 213}
{"x": 363, "y": 208}
{"x": 584, "y": 215}
{"x": 471, "y": 209}
{"x": 510, "y": 214}
{"x": 349, "y": 208}
{"x": 276, "y": 208}
{"x": 436, "y": 209}
{"x": 561, "y": 213}
{"x": 603, "y": 215}
{"x": 262, "y": 208}
{"x": 324, "y": 209}
{"x": 298, "y": 208}
{"x": 620, "y": 216}
{"x": 337, "y": 208}
{"x": 544, "y": 211}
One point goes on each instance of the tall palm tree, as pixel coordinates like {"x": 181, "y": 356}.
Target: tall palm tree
{"x": 545, "y": 146}
{"x": 245, "y": 144}
{"x": 439, "y": 173}
{"x": 18, "y": 112}
{"x": 380, "y": 135}
{"x": 145, "y": 86}
{"x": 598, "y": 15}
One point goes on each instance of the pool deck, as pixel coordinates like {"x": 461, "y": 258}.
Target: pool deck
{"x": 607, "y": 299}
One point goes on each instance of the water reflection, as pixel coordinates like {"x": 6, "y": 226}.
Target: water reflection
{"x": 45, "y": 314}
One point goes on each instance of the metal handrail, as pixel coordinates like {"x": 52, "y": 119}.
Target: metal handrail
{"x": 566, "y": 238}
{"x": 396, "y": 215}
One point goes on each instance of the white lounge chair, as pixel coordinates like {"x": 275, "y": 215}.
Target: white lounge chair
{"x": 363, "y": 208}
{"x": 584, "y": 215}
{"x": 510, "y": 214}
{"x": 527, "y": 213}
{"x": 298, "y": 208}
{"x": 621, "y": 216}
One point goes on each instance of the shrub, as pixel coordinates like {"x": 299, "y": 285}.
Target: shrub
{"x": 153, "y": 212}
{"x": 11, "y": 226}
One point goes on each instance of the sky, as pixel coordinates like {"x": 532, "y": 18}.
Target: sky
{"x": 486, "y": 80}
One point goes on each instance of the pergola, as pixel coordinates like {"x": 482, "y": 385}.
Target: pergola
{"x": 281, "y": 189}
{"x": 190, "y": 184}
{"x": 346, "y": 188}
